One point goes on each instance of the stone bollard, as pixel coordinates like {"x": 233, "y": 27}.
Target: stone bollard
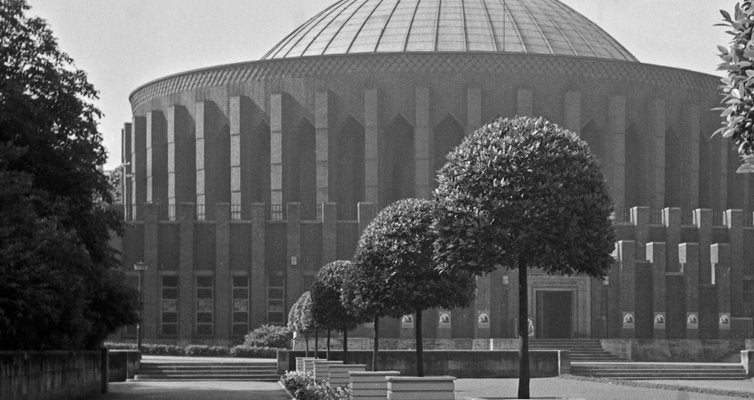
{"x": 370, "y": 385}
{"x": 321, "y": 368}
{"x": 747, "y": 360}
{"x": 338, "y": 373}
{"x": 427, "y": 387}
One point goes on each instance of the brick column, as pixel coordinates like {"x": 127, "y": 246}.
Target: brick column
{"x": 257, "y": 274}
{"x": 157, "y": 174}
{"x": 322, "y": 119}
{"x": 721, "y": 279}
{"x": 734, "y": 222}
{"x": 473, "y": 109}
{"x": 186, "y": 216}
{"x": 671, "y": 219}
{"x": 277, "y": 169}
{"x": 329, "y": 232}
{"x": 692, "y": 184}
{"x": 371, "y": 146}
{"x": 525, "y": 102}
{"x": 573, "y": 112}
{"x": 688, "y": 258}
{"x": 422, "y": 146}
{"x": 295, "y": 284}
{"x": 139, "y": 162}
{"x": 367, "y": 212}
{"x": 656, "y": 256}
{"x": 240, "y": 155}
{"x": 657, "y": 153}
{"x": 127, "y": 170}
{"x": 617, "y": 141}
{"x": 482, "y": 316}
{"x": 627, "y": 290}
{"x": 151, "y": 282}
{"x": 722, "y": 189}
{"x": 640, "y": 219}
{"x": 703, "y": 222}
{"x": 181, "y": 158}
{"x": 222, "y": 272}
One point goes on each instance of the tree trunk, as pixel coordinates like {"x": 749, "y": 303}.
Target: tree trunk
{"x": 419, "y": 343}
{"x": 327, "y": 354}
{"x": 376, "y": 342}
{"x": 523, "y": 333}
{"x": 306, "y": 341}
{"x": 316, "y": 343}
{"x": 345, "y": 344}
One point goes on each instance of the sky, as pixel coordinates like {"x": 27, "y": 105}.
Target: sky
{"x": 123, "y": 44}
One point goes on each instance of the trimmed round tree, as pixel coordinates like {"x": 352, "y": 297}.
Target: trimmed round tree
{"x": 327, "y": 310}
{"x": 523, "y": 193}
{"x": 395, "y": 274}
{"x": 300, "y": 318}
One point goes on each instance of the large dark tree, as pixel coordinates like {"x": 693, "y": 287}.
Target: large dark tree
{"x": 327, "y": 310}
{"x": 523, "y": 193}
{"x": 57, "y": 230}
{"x": 738, "y": 86}
{"x": 395, "y": 273}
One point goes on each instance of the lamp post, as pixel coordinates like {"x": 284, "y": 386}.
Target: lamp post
{"x": 140, "y": 266}
{"x": 606, "y": 304}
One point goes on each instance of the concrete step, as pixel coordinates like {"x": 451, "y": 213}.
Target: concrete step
{"x": 666, "y": 371}
{"x": 214, "y": 370}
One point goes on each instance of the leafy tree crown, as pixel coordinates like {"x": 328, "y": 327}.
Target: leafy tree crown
{"x": 327, "y": 310}
{"x": 523, "y": 191}
{"x": 738, "y": 87}
{"x": 395, "y": 273}
{"x": 300, "y": 316}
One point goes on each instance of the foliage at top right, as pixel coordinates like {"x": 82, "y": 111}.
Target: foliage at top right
{"x": 738, "y": 86}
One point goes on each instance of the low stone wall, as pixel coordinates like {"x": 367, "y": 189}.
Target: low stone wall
{"x": 458, "y": 363}
{"x": 123, "y": 364}
{"x": 359, "y": 343}
{"x": 50, "y": 375}
{"x": 681, "y": 350}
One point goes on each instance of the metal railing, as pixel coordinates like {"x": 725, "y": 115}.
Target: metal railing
{"x": 687, "y": 217}
{"x": 748, "y": 219}
{"x": 235, "y": 212}
{"x": 718, "y": 218}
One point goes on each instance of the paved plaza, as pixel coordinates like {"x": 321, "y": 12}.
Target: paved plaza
{"x": 465, "y": 388}
{"x": 594, "y": 390}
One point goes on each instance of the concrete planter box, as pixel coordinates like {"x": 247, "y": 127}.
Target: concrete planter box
{"x": 301, "y": 363}
{"x": 459, "y": 363}
{"x": 371, "y": 385}
{"x": 322, "y": 368}
{"x": 421, "y": 388}
{"x": 123, "y": 365}
{"x": 338, "y": 373}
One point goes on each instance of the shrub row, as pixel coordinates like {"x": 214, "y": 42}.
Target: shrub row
{"x": 304, "y": 387}
{"x": 197, "y": 350}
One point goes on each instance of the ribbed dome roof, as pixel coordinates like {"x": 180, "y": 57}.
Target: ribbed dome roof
{"x": 388, "y": 26}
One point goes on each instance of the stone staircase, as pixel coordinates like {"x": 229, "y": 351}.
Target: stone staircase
{"x": 207, "y": 371}
{"x": 665, "y": 371}
{"x": 581, "y": 350}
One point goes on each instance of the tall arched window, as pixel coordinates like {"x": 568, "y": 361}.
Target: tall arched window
{"x": 349, "y": 168}
{"x": 398, "y": 165}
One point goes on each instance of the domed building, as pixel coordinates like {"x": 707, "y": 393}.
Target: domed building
{"x": 244, "y": 179}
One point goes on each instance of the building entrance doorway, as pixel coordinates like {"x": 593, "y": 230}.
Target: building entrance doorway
{"x": 554, "y": 314}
